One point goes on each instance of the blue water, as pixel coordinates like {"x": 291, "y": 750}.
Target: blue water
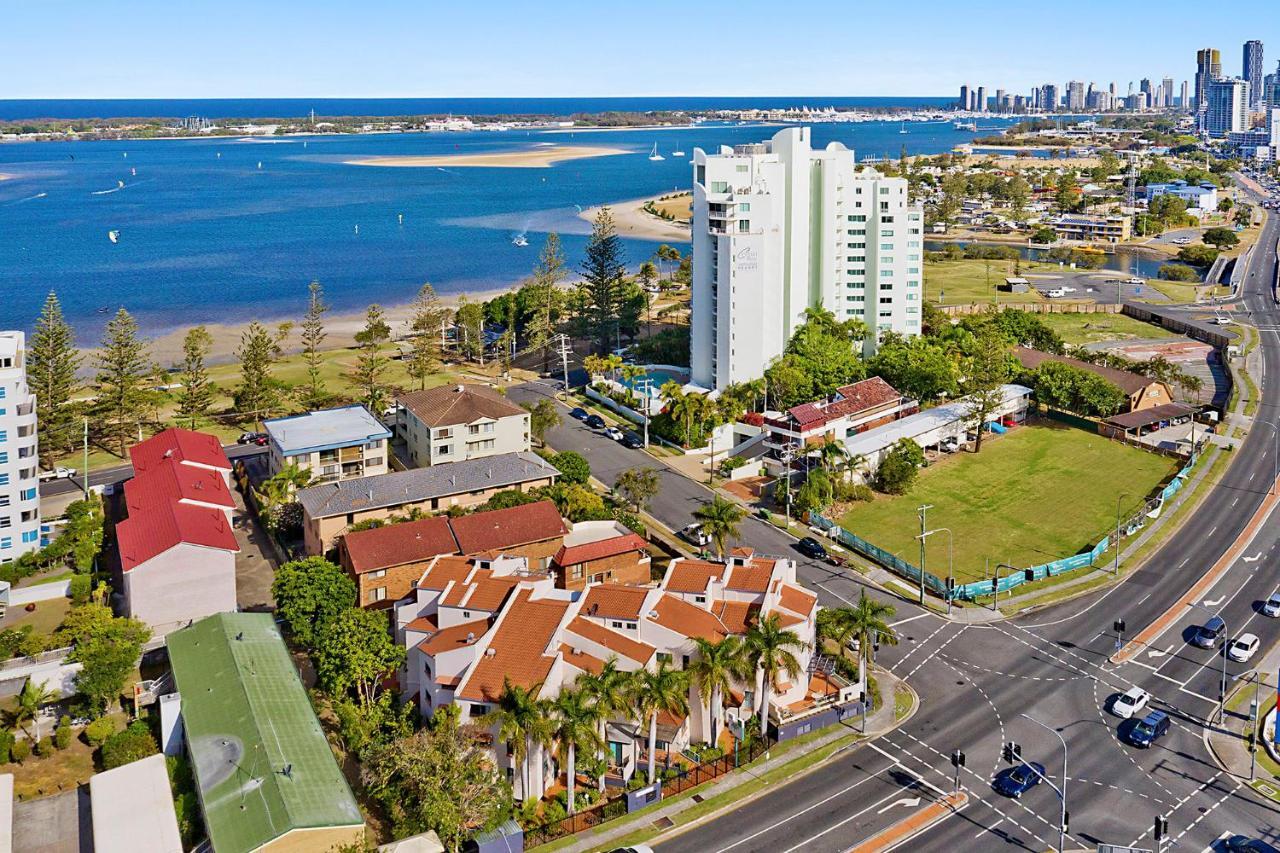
{"x": 205, "y": 238}
{"x": 296, "y": 107}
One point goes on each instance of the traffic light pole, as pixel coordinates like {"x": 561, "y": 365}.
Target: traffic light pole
{"x": 1062, "y": 793}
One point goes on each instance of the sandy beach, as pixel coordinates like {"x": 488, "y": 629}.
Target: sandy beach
{"x": 531, "y": 158}
{"x": 632, "y": 221}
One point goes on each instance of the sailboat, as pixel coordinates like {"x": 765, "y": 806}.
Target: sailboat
{"x": 520, "y": 240}
{"x": 903, "y": 129}
{"x": 654, "y": 155}
{"x": 113, "y": 236}
{"x": 677, "y": 153}
{"x": 133, "y": 172}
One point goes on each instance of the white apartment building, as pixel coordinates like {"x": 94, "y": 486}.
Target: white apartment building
{"x": 19, "y": 460}
{"x": 779, "y": 227}
{"x": 1227, "y": 107}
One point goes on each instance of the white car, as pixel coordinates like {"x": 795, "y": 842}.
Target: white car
{"x": 694, "y": 534}
{"x": 1271, "y": 607}
{"x": 57, "y": 474}
{"x": 1182, "y": 241}
{"x": 614, "y": 433}
{"x": 1243, "y": 647}
{"x": 1135, "y": 281}
{"x": 1055, "y": 293}
{"x": 1131, "y": 703}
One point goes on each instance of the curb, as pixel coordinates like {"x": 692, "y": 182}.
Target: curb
{"x": 912, "y": 825}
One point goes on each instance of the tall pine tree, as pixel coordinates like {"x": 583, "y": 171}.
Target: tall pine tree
{"x": 123, "y": 363}
{"x": 603, "y": 269}
{"x": 52, "y": 361}
{"x": 313, "y": 336}
{"x": 545, "y": 299}
{"x": 371, "y": 365}
{"x": 197, "y": 389}
{"x": 259, "y": 392}
{"x": 427, "y": 323}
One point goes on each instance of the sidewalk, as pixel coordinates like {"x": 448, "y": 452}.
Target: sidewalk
{"x": 668, "y": 815}
{"x": 1226, "y": 739}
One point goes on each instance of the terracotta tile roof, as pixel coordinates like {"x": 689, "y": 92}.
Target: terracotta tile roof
{"x": 614, "y": 601}
{"x": 170, "y": 481}
{"x": 742, "y": 551}
{"x": 149, "y": 532}
{"x": 1128, "y": 381}
{"x": 454, "y": 637}
{"x": 797, "y": 600}
{"x": 598, "y": 550}
{"x": 422, "y": 623}
{"x": 581, "y": 660}
{"x": 454, "y": 405}
{"x": 519, "y": 648}
{"x": 787, "y": 620}
{"x": 399, "y": 544}
{"x": 691, "y": 575}
{"x": 687, "y": 619}
{"x": 481, "y": 591}
{"x": 445, "y": 569}
{"x": 666, "y": 718}
{"x": 612, "y": 640}
{"x": 737, "y": 616}
{"x": 448, "y": 680}
{"x": 849, "y": 400}
{"x": 508, "y": 528}
{"x": 180, "y": 445}
{"x": 753, "y": 577}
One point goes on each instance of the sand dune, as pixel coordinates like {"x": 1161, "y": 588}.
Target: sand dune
{"x": 532, "y": 158}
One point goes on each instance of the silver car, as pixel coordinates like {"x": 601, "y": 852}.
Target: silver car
{"x": 1271, "y": 607}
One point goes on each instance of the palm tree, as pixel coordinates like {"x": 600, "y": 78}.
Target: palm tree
{"x": 835, "y": 624}
{"x": 869, "y": 619}
{"x": 652, "y": 693}
{"x": 713, "y": 671}
{"x": 594, "y": 365}
{"x": 832, "y": 455}
{"x": 769, "y": 648}
{"x": 278, "y": 490}
{"x": 609, "y": 691}
{"x": 630, "y": 373}
{"x": 522, "y": 721}
{"x": 720, "y": 519}
{"x": 33, "y": 695}
{"x": 852, "y": 464}
{"x": 612, "y": 362}
{"x": 679, "y": 405}
{"x": 573, "y": 720}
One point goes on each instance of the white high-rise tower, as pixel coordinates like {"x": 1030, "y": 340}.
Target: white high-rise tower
{"x": 19, "y": 461}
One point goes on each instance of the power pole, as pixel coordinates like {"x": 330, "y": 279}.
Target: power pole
{"x": 564, "y": 362}
{"x": 86, "y": 459}
{"x": 924, "y": 513}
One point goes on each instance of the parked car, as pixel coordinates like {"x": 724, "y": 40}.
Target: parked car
{"x": 811, "y": 548}
{"x": 258, "y": 438}
{"x": 1211, "y": 634}
{"x": 614, "y": 433}
{"x": 1149, "y": 729}
{"x": 1135, "y": 281}
{"x": 58, "y": 473}
{"x": 951, "y": 445}
{"x": 694, "y": 534}
{"x": 634, "y": 848}
{"x": 595, "y": 422}
{"x": 633, "y": 441}
{"x": 1245, "y": 844}
{"x": 1271, "y": 607}
{"x": 1016, "y": 781}
{"x": 578, "y": 414}
{"x": 1243, "y": 648}
{"x": 1130, "y": 703}
{"x": 1055, "y": 293}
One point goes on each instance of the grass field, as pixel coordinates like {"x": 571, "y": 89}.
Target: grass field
{"x": 966, "y": 281}
{"x": 1037, "y": 494}
{"x": 1089, "y": 328}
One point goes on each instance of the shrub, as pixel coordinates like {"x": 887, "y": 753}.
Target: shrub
{"x": 573, "y": 467}
{"x": 62, "y": 734}
{"x": 1178, "y": 272}
{"x": 859, "y": 492}
{"x": 1198, "y": 256}
{"x": 45, "y": 747}
{"x": 96, "y": 733}
{"x": 127, "y": 746}
{"x": 81, "y": 586}
{"x": 20, "y": 751}
{"x": 6, "y": 745}
{"x": 553, "y": 811}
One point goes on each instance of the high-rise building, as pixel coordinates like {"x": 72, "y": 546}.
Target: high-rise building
{"x": 1075, "y": 95}
{"x": 19, "y": 459}
{"x": 1271, "y": 89}
{"x": 1252, "y": 72}
{"x": 1208, "y": 68}
{"x": 1184, "y": 101}
{"x": 963, "y": 103}
{"x": 1166, "y": 92}
{"x": 1049, "y": 97}
{"x": 779, "y": 227}
{"x": 980, "y": 101}
{"x": 1226, "y": 107}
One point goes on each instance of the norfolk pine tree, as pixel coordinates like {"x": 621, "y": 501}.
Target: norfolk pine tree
{"x": 603, "y": 269}
{"x": 540, "y": 326}
{"x": 313, "y": 335}
{"x": 371, "y": 364}
{"x": 123, "y": 363}
{"x": 197, "y": 390}
{"x": 258, "y": 393}
{"x": 428, "y": 320}
{"x": 52, "y": 361}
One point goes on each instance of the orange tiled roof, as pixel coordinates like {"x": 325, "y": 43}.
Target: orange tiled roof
{"x": 691, "y": 575}
{"x": 687, "y": 619}
{"x": 787, "y": 620}
{"x": 454, "y": 637}
{"x": 601, "y": 548}
{"x": 612, "y": 640}
{"x": 519, "y": 649}
{"x": 482, "y": 591}
{"x": 445, "y": 569}
{"x": 581, "y": 660}
{"x": 422, "y": 623}
{"x": 797, "y": 600}
{"x": 613, "y": 600}
{"x": 737, "y": 616}
{"x": 753, "y": 577}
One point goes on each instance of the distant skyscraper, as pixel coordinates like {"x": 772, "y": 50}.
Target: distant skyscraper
{"x": 1185, "y": 100}
{"x": 1253, "y": 72}
{"x": 1208, "y": 68}
{"x": 1049, "y": 97}
{"x": 980, "y": 102}
{"x": 964, "y": 98}
{"x": 1075, "y": 95}
{"x": 1226, "y": 107}
{"x": 1166, "y": 87}
{"x": 1271, "y": 89}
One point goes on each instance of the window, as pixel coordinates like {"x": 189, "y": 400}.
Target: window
{"x": 913, "y": 244}
{"x": 380, "y": 573}
{"x": 479, "y": 710}
{"x": 913, "y": 271}
{"x": 447, "y": 432}
{"x": 4, "y": 435}
{"x": 884, "y": 205}
{"x": 857, "y": 245}
{"x": 884, "y": 191}
{"x": 6, "y": 542}
{"x": 719, "y": 186}
{"x": 444, "y": 450}
{"x": 4, "y": 500}
{"x": 744, "y": 207}
{"x": 6, "y": 521}
{"x": 701, "y": 599}
{"x": 617, "y": 625}
{"x": 482, "y": 444}
{"x": 373, "y": 445}
{"x": 914, "y": 217}
{"x": 31, "y": 536}
{"x": 4, "y": 457}
{"x": 886, "y": 273}
{"x": 858, "y": 218}
{"x": 664, "y": 657}
{"x": 888, "y": 219}
{"x": 886, "y": 300}
{"x": 373, "y": 461}
{"x": 886, "y": 232}
{"x": 744, "y": 225}
{"x": 27, "y": 495}
{"x": 378, "y": 593}
{"x": 886, "y": 247}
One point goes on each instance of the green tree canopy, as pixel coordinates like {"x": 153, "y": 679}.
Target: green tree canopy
{"x": 310, "y": 593}
{"x": 573, "y": 466}
{"x": 355, "y": 652}
{"x": 52, "y": 362}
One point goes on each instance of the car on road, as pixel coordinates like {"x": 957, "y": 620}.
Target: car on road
{"x": 578, "y": 414}
{"x": 595, "y": 422}
{"x": 1130, "y": 703}
{"x": 1271, "y": 607}
{"x": 694, "y": 534}
{"x": 1211, "y": 634}
{"x": 614, "y": 433}
{"x": 1245, "y": 844}
{"x": 811, "y": 548}
{"x": 633, "y": 441}
{"x": 1243, "y": 648}
{"x": 1149, "y": 729}
{"x": 1016, "y": 781}
{"x": 1137, "y": 282}
{"x": 1055, "y": 293}
{"x": 58, "y": 473}
{"x": 1181, "y": 241}
{"x": 258, "y": 438}
{"x": 634, "y": 848}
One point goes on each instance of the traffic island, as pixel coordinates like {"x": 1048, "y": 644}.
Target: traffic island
{"x": 913, "y": 824}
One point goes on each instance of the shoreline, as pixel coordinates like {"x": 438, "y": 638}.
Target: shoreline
{"x": 525, "y": 158}
{"x": 632, "y": 221}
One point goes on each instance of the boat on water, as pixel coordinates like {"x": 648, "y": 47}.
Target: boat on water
{"x": 965, "y": 125}
{"x": 119, "y": 185}
{"x": 520, "y": 240}
{"x": 654, "y": 155}
{"x": 903, "y": 129}
{"x": 133, "y": 172}
{"x": 113, "y": 236}
{"x": 677, "y": 153}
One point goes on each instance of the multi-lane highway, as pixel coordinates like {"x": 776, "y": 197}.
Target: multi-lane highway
{"x": 976, "y": 682}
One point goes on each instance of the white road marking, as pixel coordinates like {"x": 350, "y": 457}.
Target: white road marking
{"x": 1253, "y": 559}
{"x": 909, "y": 802}
{"x": 1214, "y": 603}
{"x": 989, "y": 828}
{"x": 810, "y": 808}
{"x": 1158, "y": 653}
{"x": 909, "y": 619}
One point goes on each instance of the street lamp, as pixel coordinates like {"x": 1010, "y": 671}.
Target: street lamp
{"x": 923, "y": 510}
{"x": 1222, "y": 690}
{"x": 1120, "y": 497}
{"x": 1062, "y": 794}
{"x": 951, "y": 559}
{"x": 995, "y": 584}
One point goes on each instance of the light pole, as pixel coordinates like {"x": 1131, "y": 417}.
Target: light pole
{"x": 1062, "y": 794}
{"x": 1253, "y": 720}
{"x": 1222, "y": 689}
{"x": 995, "y": 583}
{"x": 951, "y": 559}
{"x": 1119, "y": 498}
{"x": 923, "y": 509}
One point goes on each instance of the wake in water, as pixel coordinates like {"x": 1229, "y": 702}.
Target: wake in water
{"x": 28, "y": 198}
{"x": 119, "y": 186}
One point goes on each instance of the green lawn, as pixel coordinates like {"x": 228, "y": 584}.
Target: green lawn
{"x": 966, "y": 281}
{"x": 1090, "y": 328}
{"x": 1038, "y": 494}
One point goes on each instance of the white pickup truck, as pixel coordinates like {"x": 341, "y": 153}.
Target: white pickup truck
{"x": 57, "y": 474}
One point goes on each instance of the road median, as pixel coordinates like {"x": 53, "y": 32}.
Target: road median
{"x": 913, "y": 824}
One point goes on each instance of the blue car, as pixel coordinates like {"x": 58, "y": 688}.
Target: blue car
{"x": 1016, "y": 781}
{"x": 1149, "y": 729}
{"x": 578, "y": 414}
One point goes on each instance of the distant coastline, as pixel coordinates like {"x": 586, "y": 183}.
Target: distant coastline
{"x": 528, "y": 158}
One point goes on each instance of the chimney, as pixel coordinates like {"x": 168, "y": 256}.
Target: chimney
{"x": 490, "y": 652}
{"x": 471, "y": 637}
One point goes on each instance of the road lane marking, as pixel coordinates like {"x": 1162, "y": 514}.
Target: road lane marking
{"x": 909, "y": 619}
{"x": 909, "y": 802}
{"x": 991, "y": 828}
{"x": 812, "y": 838}
{"x": 823, "y": 801}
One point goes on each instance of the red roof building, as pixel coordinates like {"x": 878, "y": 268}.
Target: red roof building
{"x": 852, "y": 409}
{"x": 196, "y": 449}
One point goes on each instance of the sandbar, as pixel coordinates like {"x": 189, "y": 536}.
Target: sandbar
{"x": 528, "y": 158}
{"x": 632, "y": 220}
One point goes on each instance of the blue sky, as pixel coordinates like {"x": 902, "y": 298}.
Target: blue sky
{"x": 395, "y": 48}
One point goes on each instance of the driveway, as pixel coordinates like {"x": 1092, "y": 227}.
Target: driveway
{"x": 255, "y": 564}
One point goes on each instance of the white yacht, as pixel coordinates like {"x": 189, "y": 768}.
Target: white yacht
{"x": 654, "y": 155}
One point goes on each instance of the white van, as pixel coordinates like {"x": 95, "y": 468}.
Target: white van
{"x": 1055, "y": 293}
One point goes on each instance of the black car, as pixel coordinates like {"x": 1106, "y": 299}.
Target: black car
{"x": 595, "y": 422}
{"x": 258, "y": 438}
{"x": 811, "y": 548}
{"x": 632, "y": 441}
{"x": 578, "y": 414}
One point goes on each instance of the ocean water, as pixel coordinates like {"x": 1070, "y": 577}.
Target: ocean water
{"x": 208, "y": 235}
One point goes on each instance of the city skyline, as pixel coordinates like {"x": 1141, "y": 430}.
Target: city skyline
{"x": 570, "y": 50}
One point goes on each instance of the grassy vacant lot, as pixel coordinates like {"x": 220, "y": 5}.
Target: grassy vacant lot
{"x": 966, "y": 281}
{"x": 1037, "y": 494}
{"x": 1088, "y": 328}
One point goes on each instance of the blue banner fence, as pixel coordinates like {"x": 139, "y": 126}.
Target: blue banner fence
{"x": 970, "y": 591}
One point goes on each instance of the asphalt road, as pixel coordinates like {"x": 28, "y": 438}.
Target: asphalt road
{"x": 977, "y": 682}
{"x": 119, "y": 473}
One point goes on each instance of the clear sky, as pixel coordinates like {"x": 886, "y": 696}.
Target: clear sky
{"x": 424, "y": 48}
